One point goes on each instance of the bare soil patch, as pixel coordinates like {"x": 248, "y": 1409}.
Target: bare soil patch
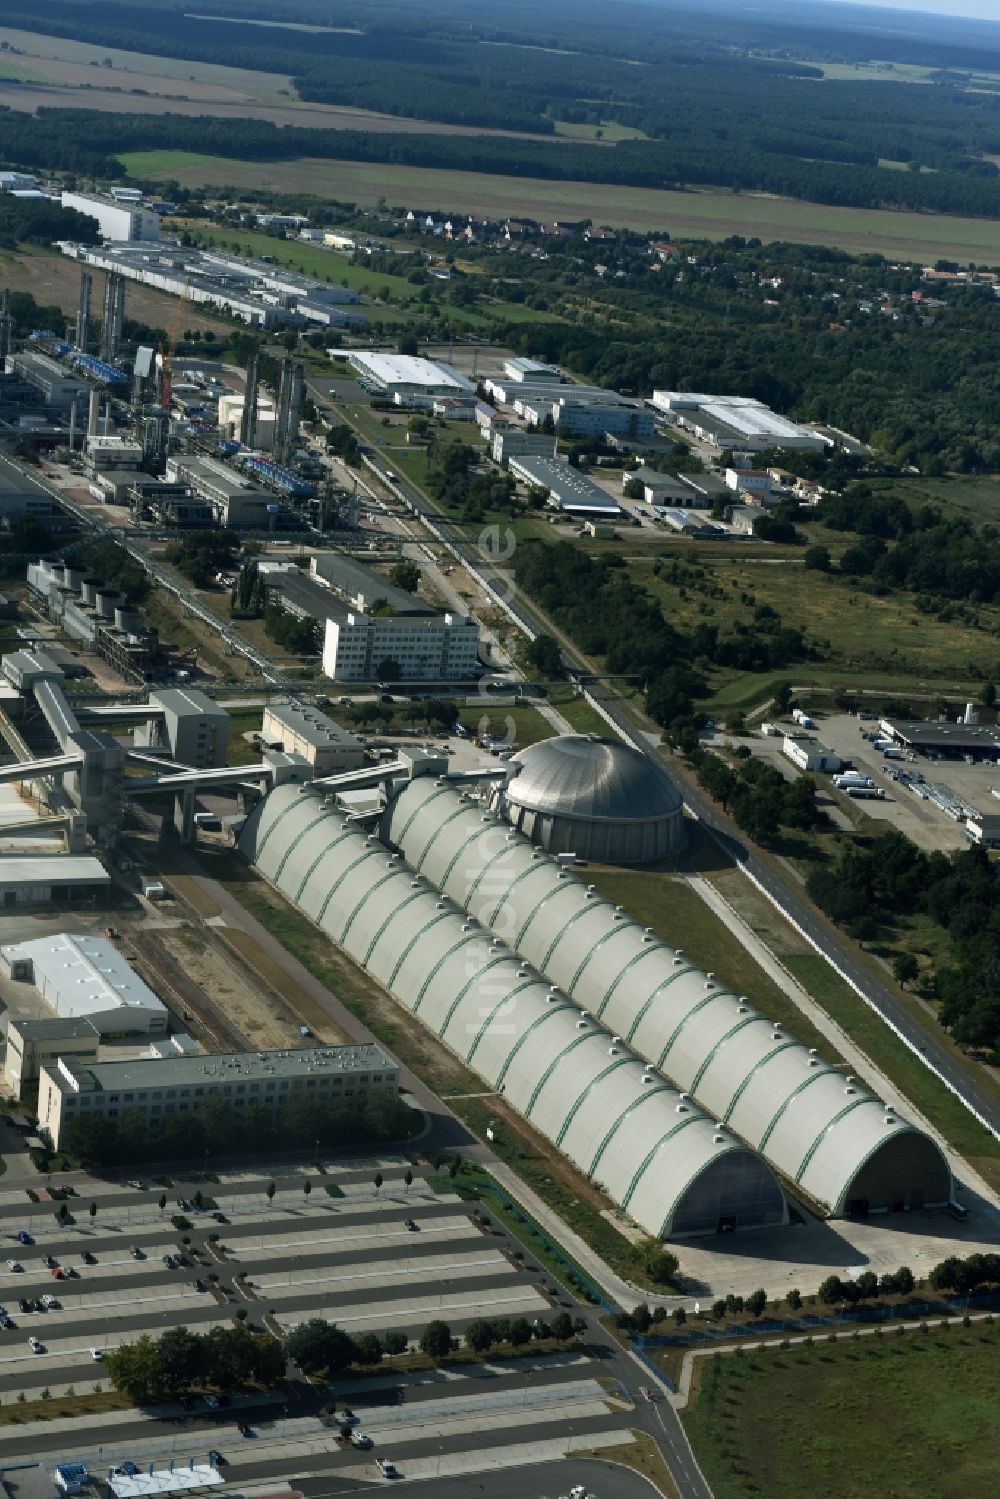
{"x": 53, "y": 280}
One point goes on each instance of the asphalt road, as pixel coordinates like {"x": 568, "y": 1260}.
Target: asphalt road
{"x": 539, "y": 1481}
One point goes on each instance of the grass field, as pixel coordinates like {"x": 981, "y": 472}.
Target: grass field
{"x": 904, "y": 1417}
{"x": 855, "y": 632}
{"x": 709, "y": 214}
{"x": 609, "y": 131}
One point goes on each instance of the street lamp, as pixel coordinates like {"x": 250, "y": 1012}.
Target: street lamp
{"x": 205, "y": 1169}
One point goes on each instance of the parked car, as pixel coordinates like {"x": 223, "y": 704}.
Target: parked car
{"x": 139, "y": 1186}
{"x": 52, "y": 1302}
{"x": 24, "y": 1237}
{"x": 361, "y": 1439}
{"x": 25, "y": 1304}
{"x": 386, "y": 1467}
{"x": 200, "y": 1285}
{"x": 36, "y": 1345}
{"x": 168, "y": 1260}
{"x": 212, "y": 1401}
{"x": 97, "y": 1354}
{"x": 49, "y": 1262}
{"x": 136, "y": 1252}
{"x": 88, "y": 1257}
{"x": 215, "y": 1457}
{"x": 14, "y": 1265}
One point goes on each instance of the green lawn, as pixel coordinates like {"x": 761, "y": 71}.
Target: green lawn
{"x": 498, "y": 718}
{"x": 904, "y": 1417}
{"x": 243, "y": 721}
{"x": 578, "y": 712}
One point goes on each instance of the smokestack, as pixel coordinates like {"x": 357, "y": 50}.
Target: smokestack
{"x": 83, "y": 311}
{"x": 248, "y": 422}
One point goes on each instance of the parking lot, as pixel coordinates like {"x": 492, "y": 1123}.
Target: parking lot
{"x": 919, "y": 819}
{"x": 348, "y": 1258}
{"x": 368, "y": 1258}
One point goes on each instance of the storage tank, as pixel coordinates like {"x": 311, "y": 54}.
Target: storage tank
{"x": 581, "y": 794}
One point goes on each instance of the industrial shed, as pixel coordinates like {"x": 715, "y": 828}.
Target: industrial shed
{"x": 820, "y": 1129}
{"x": 86, "y": 978}
{"x": 675, "y": 1171}
{"x": 589, "y": 796}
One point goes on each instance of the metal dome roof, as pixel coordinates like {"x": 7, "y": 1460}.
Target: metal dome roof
{"x": 582, "y": 775}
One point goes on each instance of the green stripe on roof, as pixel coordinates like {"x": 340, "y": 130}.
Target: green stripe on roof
{"x": 647, "y": 950}
{"x": 707, "y": 1000}
{"x": 713, "y": 1054}
{"x": 318, "y": 860}
{"x": 397, "y": 911}
{"x": 450, "y": 952}
{"x": 582, "y": 1098}
{"x": 665, "y": 984}
{"x": 855, "y": 1103}
{"x": 464, "y": 991}
{"x": 619, "y": 926}
{"x": 438, "y": 916}
{"x": 785, "y": 1045}
{"x": 814, "y": 1076}
{"x": 525, "y": 984}
{"x": 538, "y": 1020}
{"x": 633, "y": 1184}
{"x": 635, "y": 1104}
{"x": 296, "y": 840}
{"x": 586, "y": 1035}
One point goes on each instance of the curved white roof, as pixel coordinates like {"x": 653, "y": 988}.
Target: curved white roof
{"x": 583, "y": 775}
{"x": 562, "y": 1071}
{"x": 815, "y": 1125}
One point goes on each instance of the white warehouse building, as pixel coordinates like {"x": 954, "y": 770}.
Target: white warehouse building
{"x": 86, "y": 978}
{"x": 117, "y": 221}
{"x": 407, "y": 378}
{"x": 736, "y": 422}
{"x": 426, "y": 648}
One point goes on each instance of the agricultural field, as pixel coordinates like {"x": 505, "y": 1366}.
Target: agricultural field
{"x": 912, "y": 1416}
{"x": 703, "y": 214}
{"x": 56, "y": 73}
